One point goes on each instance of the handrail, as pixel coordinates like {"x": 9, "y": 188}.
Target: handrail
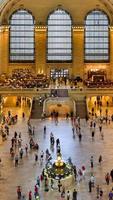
{"x": 48, "y": 89}
{"x": 40, "y": 91}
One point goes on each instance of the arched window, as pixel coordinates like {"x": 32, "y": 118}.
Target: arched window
{"x": 59, "y": 41}
{"x": 21, "y": 37}
{"x": 97, "y": 37}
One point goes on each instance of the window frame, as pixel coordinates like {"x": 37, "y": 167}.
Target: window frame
{"x": 71, "y": 37}
{"x": 97, "y": 60}
{"x": 20, "y": 60}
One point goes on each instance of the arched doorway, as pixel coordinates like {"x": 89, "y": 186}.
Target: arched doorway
{"x": 60, "y": 105}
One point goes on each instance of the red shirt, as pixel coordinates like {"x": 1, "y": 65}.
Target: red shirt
{"x": 30, "y": 195}
{"x": 36, "y": 189}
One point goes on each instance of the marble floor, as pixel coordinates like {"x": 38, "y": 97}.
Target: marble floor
{"x": 90, "y": 104}
{"x": 26, "y": 173}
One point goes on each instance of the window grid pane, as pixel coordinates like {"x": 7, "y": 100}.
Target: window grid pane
{"x": 22, "y": 37}
{"x": 97, "y": 37}
{"x": 59, "y": 43}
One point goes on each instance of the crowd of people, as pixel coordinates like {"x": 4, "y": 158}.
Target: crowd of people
{"x": 7, "y": 120}
{"x": 99, "y": 84}
{"x": 41, "y": 158}
{"x": 19, "y": 150}
{"x": 24, "y": 78}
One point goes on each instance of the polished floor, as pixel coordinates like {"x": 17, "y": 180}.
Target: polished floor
{"x": 26, "y": 173}
{"x": 104, "y": 107}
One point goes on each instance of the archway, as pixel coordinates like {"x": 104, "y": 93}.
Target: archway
{"x": 60, "y": 105}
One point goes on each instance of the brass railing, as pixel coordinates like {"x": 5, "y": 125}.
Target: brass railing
{"x": 36, "y": 91}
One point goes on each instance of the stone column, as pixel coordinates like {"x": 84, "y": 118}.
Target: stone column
{"x": 78, "y": 51}
{"x": 4, "y": 49}
{"x": 40, "y": 50}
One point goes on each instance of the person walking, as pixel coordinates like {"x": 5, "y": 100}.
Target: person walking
{"x": 36, "y": 158}
{"x": 73, "y": 130}
{"x": 107, "y": 178}
{"x": 111, "y": 174}
{"x": 44, "y": 130}
{"x": 90, "y": 186}
{"x": 16, "y": 160}
{"x": 30, "y": 195}
{"x": 74, "y": 195}
{"x": 91, "y": 162}
{"x": 19, "y": 135}
{"x": 63, "y": 192}
{"x": 38, "y": 181}
{"x": 93, "y": 134}
{"x": 21, "y": 153}
{"x": 26, "y": 149}
{"x": 80, "y": 137}
{"x": 98, "y": 191}
{"x": 19, "y": 194}
{"x": 100, "y": 128}
{"x": 80, "y": 175}
{"x": 94, "y": 125}
{"x": 46, "y": 184}
{"x": 35, "y": 191}
{"x": 52, "y": 183}
{"x": 75, "y": 171}
{"x": 57, "y": 142}
{"x": 68, "y": 195}
{"x": 41, "y": 157}
{"x": 83, "y": 171}
{"x": 92, "y": 178}
{"x": 100, "y": 159}
{"x": 101, "y": 194}
{"x": 110, "y": 195}
{"x": 59, "y": 186}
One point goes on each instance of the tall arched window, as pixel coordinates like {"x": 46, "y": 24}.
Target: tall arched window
{"x": 97, "y": 37}
{"x": 21, "y": 37}
{"x": 59, "y": 41}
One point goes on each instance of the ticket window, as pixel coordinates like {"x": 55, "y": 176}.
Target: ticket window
{"x": 98, "y": 78}
{"x": 97, "y": 75}
{"x": 54, "y": 73}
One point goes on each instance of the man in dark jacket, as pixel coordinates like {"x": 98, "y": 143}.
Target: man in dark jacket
{"x": 111, "y": 174}
{"x": 74, "y": 195}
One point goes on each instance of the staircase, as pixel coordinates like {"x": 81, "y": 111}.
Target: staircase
{"x": 36, "y": 111}
{"x": 81, "y": 108}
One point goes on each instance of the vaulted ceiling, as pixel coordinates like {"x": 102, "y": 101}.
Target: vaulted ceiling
{"x": 41, "y": 8}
